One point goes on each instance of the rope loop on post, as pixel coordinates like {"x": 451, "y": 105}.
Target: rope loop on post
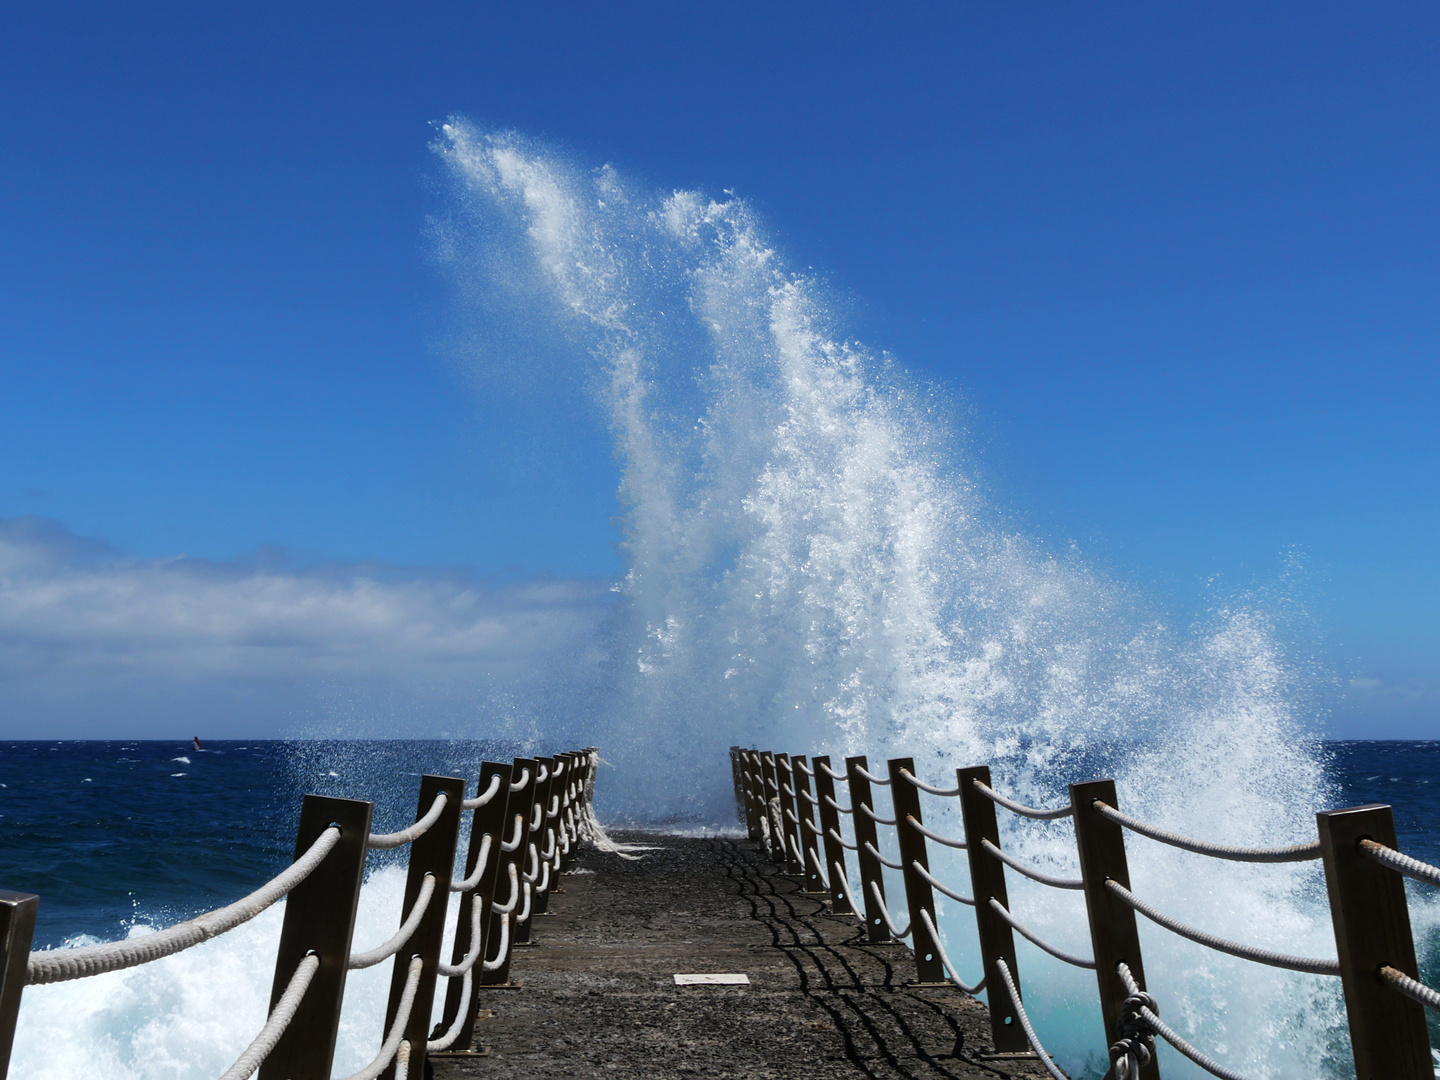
{"x": 1416, "y": 991}
{"x": 382, "y": 841}
{"x": 391, "y": 1046}
{"x": 842, "y": 841}
{"x": 945, "y": 958}
{"x": 871, "y": 849}
{"x": 359, "y": 961}
{"x": 923, "y": 831}
{"x": 480, "y": 862}
{"x": 483, "y": 798}
{"x": 796, "y": 763}
{"x": 831, "y": 772}
{"x": 1025, "y": 1025}
{"x": 280, "y": 1017}
{"x": 836, "y": 806}
{"x": 1020, "y": 808}
{"x": 1150, "y": 1015}
{"x": 937, "y": 886}
{"x": 1292, "y": 853}
{"x": 883, "y": 781}
{"x": 875, "y": 817}
{"x": 1219, "y": 944}
{"x": 519, "y": 785}
{"x": 895, "y": 931}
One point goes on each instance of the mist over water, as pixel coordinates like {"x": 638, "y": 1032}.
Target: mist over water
{"x": 812, "y": 568}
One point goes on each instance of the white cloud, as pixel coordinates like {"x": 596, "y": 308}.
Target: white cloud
{"x": 83, "y": 624}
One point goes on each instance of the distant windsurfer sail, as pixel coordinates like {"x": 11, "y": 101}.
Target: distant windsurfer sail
{"x": 196, "y": 740}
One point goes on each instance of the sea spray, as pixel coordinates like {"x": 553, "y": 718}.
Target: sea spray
{"x": 810, "y": 568}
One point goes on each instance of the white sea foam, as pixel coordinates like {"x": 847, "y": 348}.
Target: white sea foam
{"x": 189, "y": 1016}
{"x": 811, "y": 567}
{"x": 181, "y": 760}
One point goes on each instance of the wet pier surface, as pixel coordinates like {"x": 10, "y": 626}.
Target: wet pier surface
{"x": 597, "y": 995}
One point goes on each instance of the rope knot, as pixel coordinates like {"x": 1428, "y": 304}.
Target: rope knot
{"x": 1135, "y": 1046}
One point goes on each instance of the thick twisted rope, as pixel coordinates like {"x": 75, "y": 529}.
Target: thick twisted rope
{"x": 945, "y": 958}
{"x": 504, "y": 947}
{"x": 843, "y": 884}
{"x": 936, "y": 885}
{"x": 813, "y": 856}
{"x": 809, "y": 798}
{"x": 380, "y": 841}
{"x": 1293, "y": 853}
{"x": 895, "y": 931}
{"x": 480, "y": 862}
{"x": 841, "y": 840}
{"x": 1415, "y": 991}
{"x": 359, "y": 961}
{"x": 790, "y": 814}
{"x": 483, "y": 798}
{"x": 445, "y": 1041}
{"x": 787, "y": 789}
{"x": 524, "y": 913}
{"x": 923, "y": 831}
{"x": 1036, "y": 940}
{"x": 1219, "y": 944}
{"x": 1025, "y": 1025}
{"x": 536, "y": 816}
{"x": 542, "y": 775}
{"x": 391, "y": 1045}
{"x": 62, "y": 965}
{"x": 1151, "y": 1017}
{"x": 796, "y": 763}
{"x": 865, "y": 808}
{"x": 280, "y": 1017}
{"x": 831, "y": 772}
{"x": 449, "y": 971}
{"x": 1029, "y": 871}
{"x": 514, "y": 841}
{"x": 943, "y": 792}
{"x": 871, "y": 849}
{"x": 1402, "y": 863}
{"x": 836, "y": 806}
{"x": 509, "y": 905}
{"x": 883, "y": 781}
{"x": 1020, "y": 808}
{"x": 519, "y": 785}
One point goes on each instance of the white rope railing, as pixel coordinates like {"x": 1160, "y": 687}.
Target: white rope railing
{"x": 1029, "y": 871}
{"x": 831, "y": 772}
{"x": 475, "y": 875}
{"x": 1401, "y": 863}
{"x": 873, "y": 851}
{"x": 1219, "y": 944}
{"x": 842, "y": 883}
{"x": 62, "y": 965}
{"x": 514, "y": 841}
{"x": 1014, "y": 807}
{"x": 895, "y": 932}
{"x": 360, "y": 961}
{"x": 1025, "y": 1025}
{"x": 279, "y": 1019}
{"x": 483, "y": 798}
{"x": 519, "y": 785}
{"x": 915, "y": 781}
{"x": 449, "y": 971}
{"x": 1164, "y": 1031}
{"x": 1411, "y": 988}
{"x": 876, "y": 817}
{"x": 1292, "y": 853}
{"x": 391, "y": 1046}
{"x": 841, "y": 809}
{"x": 842, "y": 841}
{"x": 509, "y": 905}
{"x": 504, "y": 947}
{"x": 938, "y": 886}
{"x": 382, "y": 841}
{"x": 541, "y": 775}
{"x": 883, "y": 781}
{"x": 945, "y": 958}
{"x": 1036, "y": 940}
{"x": 923, "y": 831}
{"x": 446, "y": 1040}
{"x": 798, "y": 764}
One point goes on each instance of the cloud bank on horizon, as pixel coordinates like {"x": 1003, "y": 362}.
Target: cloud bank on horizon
{"x": 89, "y": 637}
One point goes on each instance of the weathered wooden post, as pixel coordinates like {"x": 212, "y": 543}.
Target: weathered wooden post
{"x": 319, "y": 918}
{"x": 774, "y": 834}
{"x": 544, "y": 790}
{"x": 1372, "y": 930}
{"x": 754, "y": 792}
{"x": 487, "y": 821}
{"x": 809, "y": 832}
{"x": 1113, "y": 936}
{"x": 432, "y": 854}
{"x": 500, "y": 926}
{"x": 790, "y": 820}
{"x": 834, "y": 849}
{"x": 739, "y": 785}
{"x": 524, "y": 802}
{"x": 987, "y": 878}
{"x": 929, "y": 971}
{"x": 17, "y": 930}
{"x": 872, "y": 875}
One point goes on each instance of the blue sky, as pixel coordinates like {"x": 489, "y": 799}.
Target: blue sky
{"x": 1179, "y": 263}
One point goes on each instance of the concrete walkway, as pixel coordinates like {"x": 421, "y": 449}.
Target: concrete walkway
{"x": 597, "y": 996}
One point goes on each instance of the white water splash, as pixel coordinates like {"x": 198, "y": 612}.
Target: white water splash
{"x": 810, "y": 568}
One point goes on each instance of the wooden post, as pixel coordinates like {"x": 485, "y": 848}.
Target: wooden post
{"x": 739, "y": 786}
{"x": 790, "y": 831}
{"x": 834, "y": 849}
{"x": 987, "y": 878}
{"x": 808, "y": 831}
{"x": 929, "y": 971}
{"x": 1113, "y": 936}
{"x": 871, "y": 872}
{"x": 319, "y": 918}
{"x": 543, "y": 793}
{"x": 522, "y": 802}
{"x": 1372, "y": 929}
{"x": 500, "y": 976}
{"x": 775, "y": 840}
{"x": 754, "y": 787}
{"x": 487, "y": 820}
{"x": 432, "y": 854}
{"x": 17, "y": 930}
{"x": 573, "y": 792}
